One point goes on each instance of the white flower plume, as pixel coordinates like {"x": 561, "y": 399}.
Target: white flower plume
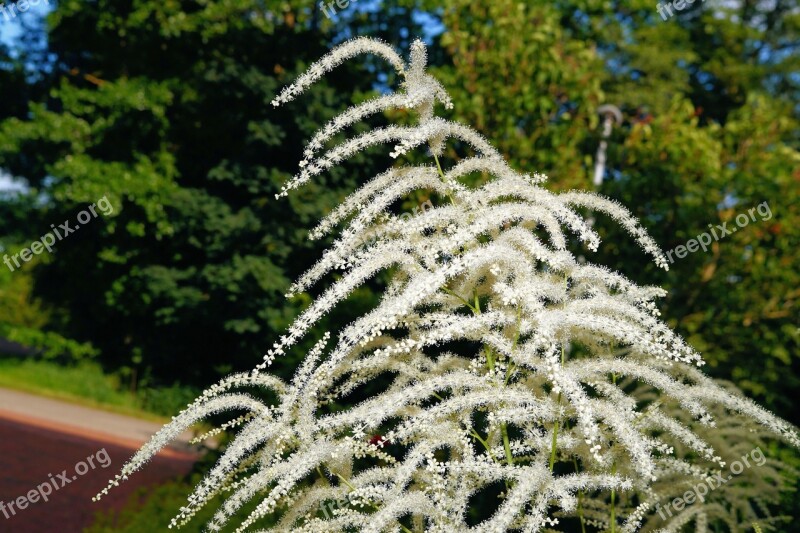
{"x": 501, "y": 358}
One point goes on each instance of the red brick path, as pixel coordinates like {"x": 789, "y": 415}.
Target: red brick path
{"x": 28, "y": 453}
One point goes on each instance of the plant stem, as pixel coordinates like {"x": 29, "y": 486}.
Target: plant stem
{"x": 485, "y": 444}
{"x": 374, "y": 506}
{"x": 558, "y": 423}
{"x": 555, "y": 440}
{"x": 509, "y": 370}
{"x": 558, "y": 420}
{"x": 476, "y": 309}
{"x": 342, "y": 478}
{"x": 441, "y": 174}
{"x": 490, "y": 364}
{"x": 613, "y": 505}
{"x": 465, "y": 302}
{"x": 580, "y": 500}
{"x": 438, "y": 165}
{"x": 613, "y": 471}
{"x": 506, "y": 444}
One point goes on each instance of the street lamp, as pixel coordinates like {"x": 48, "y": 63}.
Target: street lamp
{"x": 610, "y": 114}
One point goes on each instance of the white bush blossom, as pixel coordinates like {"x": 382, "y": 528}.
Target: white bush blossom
{"x": 510, "y": 363}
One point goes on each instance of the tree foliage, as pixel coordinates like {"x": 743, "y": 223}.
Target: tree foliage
{"x": 161, "y": 107}
{"x": 710, "y": 131}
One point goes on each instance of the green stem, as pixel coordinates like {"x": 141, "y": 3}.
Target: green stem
{"x": 555, "y": 440}
{"x": 441, "y": 174}
{"x": 485, "y": 444}
{"x": 510, "y": 369}
{"x": 613, "y": 471}
{"x": 613, "y": 505}
{"x": 438, "y": 165}
{"x": 580, "y": 500}
{"x": 489, "y": 357}
{"x": 476, "y": 308}
{"x": 465, "y": 302}
{"x": 506, "y": 444}
{"x": 342, "y": 478}
{"x": 558, "y": 423}
{"x": 477, "y": 436}
{"x": 374, "y": 506}
{"x": 558, "y": 420}
{"x": 490, "y": 364}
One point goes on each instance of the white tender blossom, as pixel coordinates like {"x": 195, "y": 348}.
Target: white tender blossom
{"x": 501, "y": 358}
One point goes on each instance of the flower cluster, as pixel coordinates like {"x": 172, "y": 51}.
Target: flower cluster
{"x": 502, "y": 359}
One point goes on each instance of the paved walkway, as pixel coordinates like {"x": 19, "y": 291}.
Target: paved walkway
{"x": 82, "y": 421}
{"x": 80, "y": 449}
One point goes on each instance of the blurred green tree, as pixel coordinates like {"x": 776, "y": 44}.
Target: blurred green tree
{"x": 710, "y": 105}
{"x": 164, "y": 109}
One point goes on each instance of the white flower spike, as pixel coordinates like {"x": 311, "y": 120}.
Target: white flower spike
{"x": 500, "y": 359}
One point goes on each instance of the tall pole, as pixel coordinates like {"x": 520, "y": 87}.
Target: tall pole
{"x": 610, "y": 114}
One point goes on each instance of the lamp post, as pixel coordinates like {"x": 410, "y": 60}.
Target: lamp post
{"x": 610, "y": 114}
